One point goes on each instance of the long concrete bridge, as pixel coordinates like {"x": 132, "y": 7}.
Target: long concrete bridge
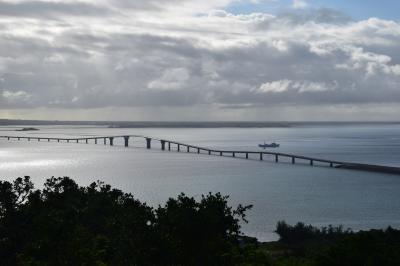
{"x": 182, "y": 147}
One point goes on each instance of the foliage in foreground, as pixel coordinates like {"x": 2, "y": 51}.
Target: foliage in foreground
{"x": 65, "y": 224}
{"x": 305, "y": 245}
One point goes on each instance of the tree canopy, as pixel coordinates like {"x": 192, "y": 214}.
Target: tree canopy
{"x": 66, "y": 224}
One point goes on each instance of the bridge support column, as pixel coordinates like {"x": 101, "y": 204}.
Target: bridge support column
{"x": 220, "y": 153}
{"x": 179, "y": 147}
{"x": 331, "y": 165}
{"x": 67, "y": 140}
{"x": 38, "y": 140}
{"x": 86, "y": 141}
{"x": 111, "y": 141}
{"x": 233, "y": 154}
{"x": 198, "y": 150}
{"x": 105, "y": 141}
{"x": 188, "y": 149}
{"x": 261, "y": 156}
{"x": 58, "y": 140}
{"x": 311, "y": 162}
{"x": 126, "y": 140}
{"x": 77, "y": 141}
{"x": 19, "y": 138}
{"x": 148, "y": 143}
{"x": 169, "y": 146}
{"x": 247, "y": 155}
{"x": 276, "y": 158}
{"x": 293, "y": 160}
{"x": 8, "y": 138}
{"x": 209, "y": 152}
{"x": 48, "y": 140}
{"x": 162, "y": 145}
{"x": 95, "y": 141}
{"x": 29, "y": 139}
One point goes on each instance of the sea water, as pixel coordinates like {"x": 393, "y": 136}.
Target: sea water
{"x": 318, "y": 195}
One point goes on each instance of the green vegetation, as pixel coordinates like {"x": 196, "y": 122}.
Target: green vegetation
{"x": 306, "y": 245}
{"x": 65, "y": 224}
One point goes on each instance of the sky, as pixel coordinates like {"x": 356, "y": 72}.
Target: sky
{"x": 357, "y": 9}
{"x": 200, "y": 60}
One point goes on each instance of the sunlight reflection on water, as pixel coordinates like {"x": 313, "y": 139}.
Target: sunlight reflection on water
{"x": 32, "y": 163}
{"x": 317, "y": 195}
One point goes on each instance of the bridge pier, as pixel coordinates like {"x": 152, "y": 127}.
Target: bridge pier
{"x": 188, "y": 149}
{"x": 19, "y": 138}
{"x": 276, "y": 158}
{"x": 198, "y": 150}
{"x": 111, "y": 141}
{"x": 293, "y": 160}
{"x": 58, "y": 140}
{"x": 148, "y": 143}
{"x": 220, "y": 153}
{"x": 179, "y": 148}
{"x": 38, "y": 140}
{"x": 162, "y": 145}
{"x": 77, "y": 141}
{"x": 331, "y": 165}
{"x": 48, "y": 140}
{"x": 67, "y": 140}
{"x": 247, "y": 155}
{"x": 105, "y": 141}
{"x": 29, "y": 139}
{"x": 169, "y": 146}
{"x": 233, "y": 154}
{"x": 8, "y": 138}
{"x": 209, "y": 152}
{"x": 311, "y": 162}
{"x": 126, "y": 140}
{"x": 95, "y": 141}
{"x": 86, "y": 141}
{"x": 261, "y": 156}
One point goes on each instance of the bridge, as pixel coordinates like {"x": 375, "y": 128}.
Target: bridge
{"x": 170, "y": 145}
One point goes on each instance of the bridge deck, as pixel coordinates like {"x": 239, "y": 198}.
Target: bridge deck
{"x": 233, "y": 153}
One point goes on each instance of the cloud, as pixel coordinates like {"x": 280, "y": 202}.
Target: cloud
{"x": 50, "y": 9}
{"x": 14, "y": 96}
{"x": 172, "y": 79}
{"x": 320, "y": 16}
{"x": 192, "y": 55}
{"x": 275, "y": 86}
{"x": 280, "y": 86}
{"x": 299, "y": 4}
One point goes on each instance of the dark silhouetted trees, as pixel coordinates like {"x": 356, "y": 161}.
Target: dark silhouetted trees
{"x": 333, "y": 246}
{"x": 65, "y": 224}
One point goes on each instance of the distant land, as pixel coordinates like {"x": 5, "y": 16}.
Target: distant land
{"x": 27, "y": 129}
{"x": 183, "y": 124}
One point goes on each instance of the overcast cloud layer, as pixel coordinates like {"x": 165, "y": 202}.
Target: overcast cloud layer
{"x": 190, "y": 59}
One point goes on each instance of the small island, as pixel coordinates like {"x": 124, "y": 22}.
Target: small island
{"x": 27, "y": 129}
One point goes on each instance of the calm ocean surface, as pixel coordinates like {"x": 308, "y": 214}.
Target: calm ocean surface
{"x": 316, "y": 195}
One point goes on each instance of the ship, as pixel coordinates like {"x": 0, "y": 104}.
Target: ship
{"x": 270, "y": 145}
